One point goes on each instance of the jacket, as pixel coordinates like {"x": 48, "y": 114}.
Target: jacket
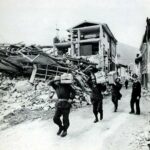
{"x": 116, "y": 90}
{"x": 136, "y": 89}
{"x": 97, "y": 90}
{"x": 64, "y": 93}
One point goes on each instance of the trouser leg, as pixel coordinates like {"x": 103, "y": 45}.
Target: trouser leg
{"x": 100, "y": 109}
{"x": 132, "y": 105}
{"x": 57, "y": 116}
{"x": 137, "y": 106}
{"x": 95, "y": 110}
{"x": 66, "y": 122}
{"x": 115, "y": 102}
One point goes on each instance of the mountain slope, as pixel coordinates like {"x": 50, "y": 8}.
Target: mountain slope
{"x": 127, "y": 53}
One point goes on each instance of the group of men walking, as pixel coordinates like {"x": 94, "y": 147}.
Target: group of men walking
{"x": 66, "y": 93}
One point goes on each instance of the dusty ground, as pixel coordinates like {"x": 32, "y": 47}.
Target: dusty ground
{"x": 118, "y": 131}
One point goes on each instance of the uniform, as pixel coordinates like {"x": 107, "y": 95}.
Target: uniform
{"x": 135, "y": 97}
{"x": 64, "y": 93}
{"x": 116, "y": 95}
{"x": 97, "y": 98}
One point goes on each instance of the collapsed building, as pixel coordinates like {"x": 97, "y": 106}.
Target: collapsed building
{"x": 25, "y": 70}
{"x": 93, "y": 41}
{"x": 20, "y": 60}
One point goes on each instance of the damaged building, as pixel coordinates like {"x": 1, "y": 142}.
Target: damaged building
{"x": 90, "y": 39}
{"x": 143, "y": 60}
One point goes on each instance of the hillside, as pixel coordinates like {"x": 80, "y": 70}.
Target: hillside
{"x": 127, "y": 53}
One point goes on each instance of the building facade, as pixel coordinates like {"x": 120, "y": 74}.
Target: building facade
{"x": 143, "y": 60}
{"x": 90, "y": 39}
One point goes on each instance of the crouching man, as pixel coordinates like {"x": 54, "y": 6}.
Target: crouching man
{"x": 65, "y": 94}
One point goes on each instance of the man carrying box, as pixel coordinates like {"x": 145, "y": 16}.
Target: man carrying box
{"x": 64, "y": 93}
{"x": 96, "y": 96}
{"x": 116, "y": 95}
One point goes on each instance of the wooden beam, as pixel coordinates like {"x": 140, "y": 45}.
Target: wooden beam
{"x": 34, "y": 71}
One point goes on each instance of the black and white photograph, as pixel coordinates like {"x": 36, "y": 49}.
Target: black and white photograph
{"x": 74, "y": 74}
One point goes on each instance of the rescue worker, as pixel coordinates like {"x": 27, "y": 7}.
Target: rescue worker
{"x": 116, "y": 95}
{"x": 135, "y": 96}
{"x": 65, "y": 93}
{"x": 126, "y": 83}
{"x": 96, "y": 97}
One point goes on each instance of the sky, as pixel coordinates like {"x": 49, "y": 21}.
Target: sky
{"x": 35, "y": 21}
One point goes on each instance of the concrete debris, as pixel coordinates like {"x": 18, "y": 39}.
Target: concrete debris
{"x": 147, "y": 133}
{"x": 23, "y": 86}
{"x": 22, "y": 100}
{"x": 146, "y": 94}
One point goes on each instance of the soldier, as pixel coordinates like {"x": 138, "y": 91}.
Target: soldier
{"x": 96, "y": 97}
{"x": 135, "y": 96}
{"x": 64, "y": 93}
{"x": 116, "y": 95}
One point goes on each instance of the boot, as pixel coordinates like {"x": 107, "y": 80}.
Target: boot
{"x": 115, "y": 110}
{"x": 131, "y": 112}
{"x": 64, "y": 133}
{"x": 137, "y": 113}
{"x": 60, "y": 130}
{"x": 96, "y": 120}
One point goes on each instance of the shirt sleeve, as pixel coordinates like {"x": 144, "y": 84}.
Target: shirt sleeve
{"x": 51, "y": 83}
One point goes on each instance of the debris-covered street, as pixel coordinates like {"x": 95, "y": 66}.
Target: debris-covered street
{"x": 116, "y": 131}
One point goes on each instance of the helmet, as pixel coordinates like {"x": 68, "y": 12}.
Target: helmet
{"x": 57, "y": 78}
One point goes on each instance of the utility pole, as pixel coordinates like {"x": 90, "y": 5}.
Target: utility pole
{"x": 57, "y": 31}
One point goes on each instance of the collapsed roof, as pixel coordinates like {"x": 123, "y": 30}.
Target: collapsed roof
{"x": 20, "y": 59}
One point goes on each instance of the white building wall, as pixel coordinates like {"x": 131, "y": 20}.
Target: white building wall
{"x": 105, "y": 45}
{"x": 101, "y": 48}
{"x": 105, "y": 42}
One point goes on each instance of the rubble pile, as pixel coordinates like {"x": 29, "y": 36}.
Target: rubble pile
{"x": 19, "y": 59}
{"x": 146, "y": 94}
{"x": 24, "y": 90}
{"x": 21, "y": 100}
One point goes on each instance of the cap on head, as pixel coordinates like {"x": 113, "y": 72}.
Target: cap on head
{"x": 134, "y": 76}
{"x": 117, "y": 79}
{"x": 57, "y": 78}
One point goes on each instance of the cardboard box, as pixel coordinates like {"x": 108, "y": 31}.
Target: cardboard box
{"x": 111, "y": 77}
{"x": 66, "y": 78}
{"x": 100, "y": 77}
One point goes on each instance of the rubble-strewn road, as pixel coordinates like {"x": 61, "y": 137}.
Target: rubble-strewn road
{"x": 118, "y": 131}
